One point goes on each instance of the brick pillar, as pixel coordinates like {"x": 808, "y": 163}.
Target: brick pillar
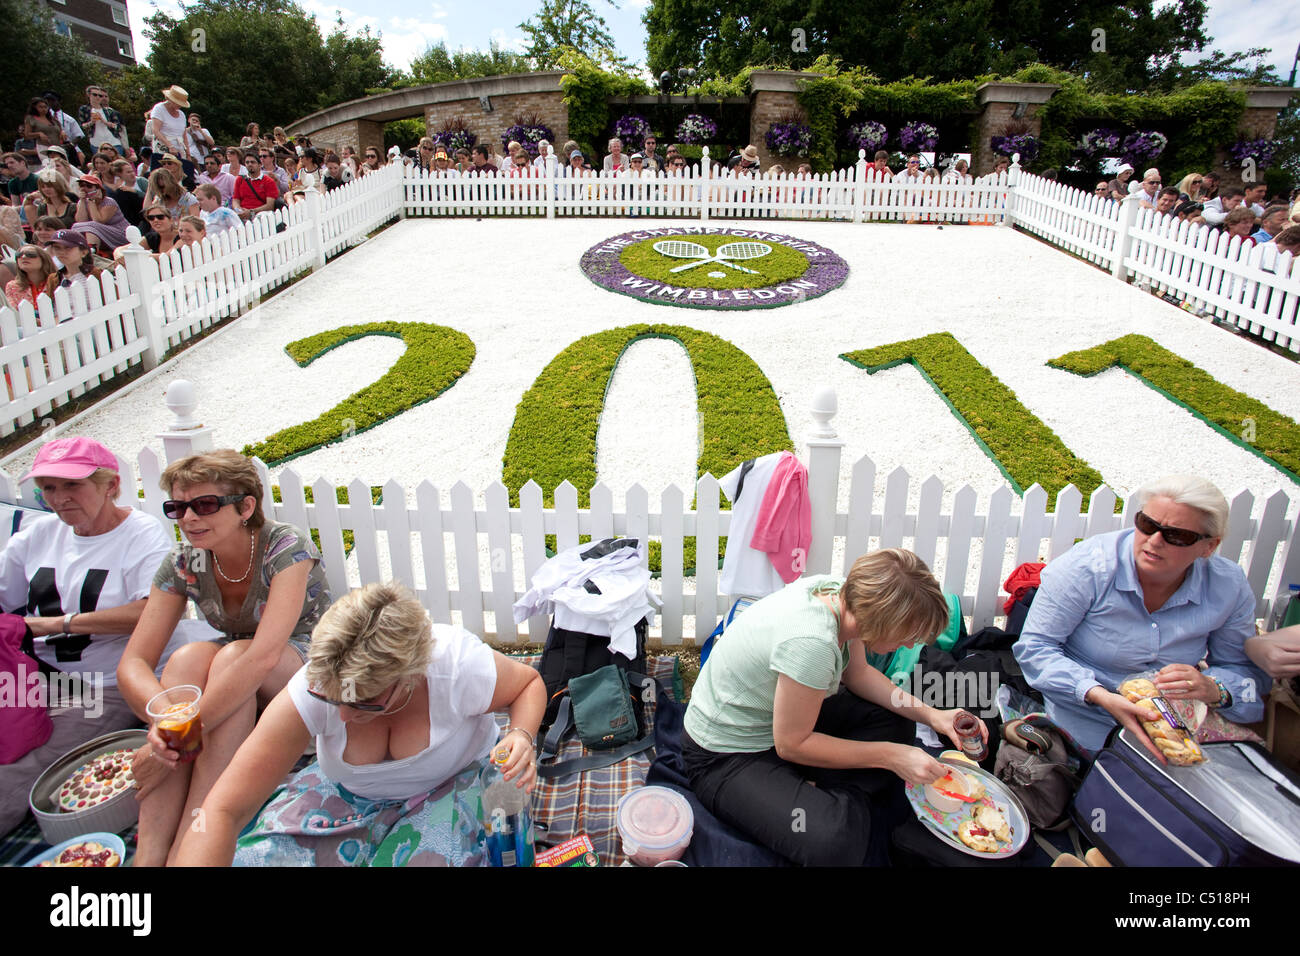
{"x": 1259, "y": 121}
{"x": 1005, "y": 106}
{"x": 773, "y": 97}
{"x": 356, "y": 133}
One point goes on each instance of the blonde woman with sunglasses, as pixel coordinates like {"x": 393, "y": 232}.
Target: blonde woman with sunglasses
{"x": 401, "y": 713}
{"x": 257, "y": 582}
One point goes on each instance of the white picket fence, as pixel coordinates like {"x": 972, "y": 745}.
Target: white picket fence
{"x": 468, "y": 562}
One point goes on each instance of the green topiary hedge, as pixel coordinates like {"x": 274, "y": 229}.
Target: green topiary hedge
{"x": 1023, "y": 448}
{"x": 553, "y": 438}
{"x": 1243, "y": 420}
{"x": 435, "y": 357}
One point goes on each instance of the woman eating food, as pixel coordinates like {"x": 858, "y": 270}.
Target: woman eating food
{"x": 401, "y": 715}
{"x": 769, "y": 727}
{"x": 260, "y": 584}
{"x": 1154, "y": 597}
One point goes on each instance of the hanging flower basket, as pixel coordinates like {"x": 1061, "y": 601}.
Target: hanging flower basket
{"x": 1099, "y": 143}
{"x": 918, "y": 137}
{"x": 695, "y": 129}
{"x": 869, "y": 136}
{"x": 789, "y": 139}
{"x": 527, "y": 132}
{"x": 1144, "y": 146}
{"x": 455, "y": 135}
{"x": 632, "y": 128}
{"x": 1260, "y": 150}
{"x": 1027, "y": 146}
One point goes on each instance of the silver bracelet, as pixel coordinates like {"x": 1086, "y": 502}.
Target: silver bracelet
{"x": 532, "y": 741}
{"x": 67, "y": 622}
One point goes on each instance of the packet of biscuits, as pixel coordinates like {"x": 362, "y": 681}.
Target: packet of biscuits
{"x": 1165, "y": 728}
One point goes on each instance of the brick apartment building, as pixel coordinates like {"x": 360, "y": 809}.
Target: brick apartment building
{"x": 102, "y": 25}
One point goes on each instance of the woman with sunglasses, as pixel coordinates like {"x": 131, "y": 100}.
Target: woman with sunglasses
{"x": 401, "y": 715}
{"x": 163, "y": 235}
{"x": 100, "y": 217}
{"x": 257, "y": 582}
{"x": 1151, "y": 597}
{"x": 34, "y": 270}
{"x": 1189, "y": 187}
{"x": 51, "y": 199}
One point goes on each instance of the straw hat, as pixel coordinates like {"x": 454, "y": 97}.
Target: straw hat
{"x": 178, "y": 96}
{"x": 750, "y": 153}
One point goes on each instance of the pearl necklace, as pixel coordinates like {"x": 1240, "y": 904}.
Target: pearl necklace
{"x": 252, "y": 544}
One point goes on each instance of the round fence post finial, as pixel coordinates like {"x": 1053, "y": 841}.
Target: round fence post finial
{"x": 182, "y": 398}
{"x": 824, "y": 406}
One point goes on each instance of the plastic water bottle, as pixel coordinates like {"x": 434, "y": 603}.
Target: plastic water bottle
{"x": 509, "y": 823}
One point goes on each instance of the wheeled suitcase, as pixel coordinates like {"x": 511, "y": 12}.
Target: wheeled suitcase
{"x": 1239, "y": 808}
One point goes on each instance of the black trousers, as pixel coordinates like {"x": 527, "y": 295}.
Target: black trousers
{"x": 810, "y": 815}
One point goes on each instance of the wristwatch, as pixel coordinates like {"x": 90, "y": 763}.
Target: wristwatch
{"x": 67, "y": 622}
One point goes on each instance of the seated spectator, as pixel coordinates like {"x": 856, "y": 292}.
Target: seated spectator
{"x": 566, "y": 151}
{"x": 163, "y": 236}
{"x": 51, "y": 199}
{"x": 372, "y": 160}
{"x": 1288, "y": 240}
{"x": 101, "y": 164}
{"x": 234, "y": 165}
{"x": 615, "y": 161}
{"x": 749, "y": 161}
{"x": 1166, "y": 200}
{"x": 1153, "y": 596}
{"x": 1190, "y": 211}
{"x": 1271, "y": 223}
{"x": 277, "y": 590}
{"x": 401, "y": 715}
{"x": 269, "y": 168}
{"x": 87, "y": 568}
{"x": 333, "y": 178}
{"x": 879, "y": 170}
{"x": 213, "y": 176}
{"x": 22, "y": 181}
{"x": 34, "y": 268}
{"x": 911, "y": 173}
{"x": 217, "y": 218}
{"x": 252, "y": 137}
{"x": 442, "y": 162}
{"x": 958, "y": 173}
{"x": 1102, "y": 189}
{"x": 1123, "y": 176}
{"x": 1189, "y": 187}
{"x": 43, "y": 231}
{"x": 481, "y": 161}
{"x": 543, "y": 151}
{"x": 280, "y": 138}
{"x": 1209, "y": 187}
{"x": 1216, "y": 210}
{"x": 255, "y": 192}
{"x": 123, "y": 187}
{"x": 310, "y": 173}
{"x": 1254, "y": 197}
{"x": 100, "y": 217}
{"x": 768, "y": 717}
{"x": 165, "y": 190}
{"x": 351, "y": 166}
{"x": 425, "y": 151}
{"x": 191, "y": 230}
{"x": 178, "y": 170}
{"x": 653, "y": 161}
{"x": 1240, "y": 223}
{"x": 1147, "y": 190}
{"x": 76, "y": 261}
{"x": 578, "y": 163}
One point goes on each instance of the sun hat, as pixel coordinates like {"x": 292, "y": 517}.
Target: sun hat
{"x": 69, "y": 237}
{"x": 1124, "y": 168}
{"x": 576, "y": 152}
{"x": 178, "y": 96}
{"x": 750, "y": 153}
{"x": 394, "y": 152}
{"x": 89, "y": 180}
{"x": 637, "y": 156}
{"x": 57, "y": 151}
{"x": 74, "y": 458}
{"x": 170, "y": 158}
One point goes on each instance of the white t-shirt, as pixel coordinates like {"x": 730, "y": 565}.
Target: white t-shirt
{"x": 462, "y": 678}
{"x": 47, "y": 570}
{"x": 197, "y": 146}
{"x": 172, "y": 126}
{"x": 746, "y": 570}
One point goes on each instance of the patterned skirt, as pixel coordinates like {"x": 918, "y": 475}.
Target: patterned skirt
{"x": 313, "y": 821}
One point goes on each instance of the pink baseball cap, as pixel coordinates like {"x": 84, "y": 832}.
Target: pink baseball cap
{"x": 71, "y": 458}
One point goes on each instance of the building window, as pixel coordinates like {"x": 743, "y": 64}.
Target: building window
{"x": 119, "y": 16}
{"x": 124, "y": 47}
{"x": 62, "y": 29}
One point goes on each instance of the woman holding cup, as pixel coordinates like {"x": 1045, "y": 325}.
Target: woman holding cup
{"x": 259, "y": 583}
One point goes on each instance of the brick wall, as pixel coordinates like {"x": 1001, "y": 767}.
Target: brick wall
{"x": 998, "y": 119}
{"x": 768, "y": 107}
{"x": 355, "y": 133}
{"x": 488, "y": 127}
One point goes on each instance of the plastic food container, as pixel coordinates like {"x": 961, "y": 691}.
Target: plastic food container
{"x": 656, "y": 824}
{"x": 110, "y": 841}
{"x": 112, "y": 816}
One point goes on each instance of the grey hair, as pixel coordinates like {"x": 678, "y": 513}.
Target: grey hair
{"x": 1193, "y": 491}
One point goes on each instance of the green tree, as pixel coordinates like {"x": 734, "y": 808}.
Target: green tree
{"x": 570, "y": 24}
{"x": 261, "y": 61}
{"x": 36, "y": 59}
{"x": 132, "y": 92}
{"x": 438, "y": 65}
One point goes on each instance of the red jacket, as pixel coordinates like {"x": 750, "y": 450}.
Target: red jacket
{"x": 252, "y": 193}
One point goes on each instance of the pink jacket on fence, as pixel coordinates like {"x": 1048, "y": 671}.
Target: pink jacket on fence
{"x": 784, "y": 526}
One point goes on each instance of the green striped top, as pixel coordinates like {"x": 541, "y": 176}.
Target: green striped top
{"x": 790, "y": 632}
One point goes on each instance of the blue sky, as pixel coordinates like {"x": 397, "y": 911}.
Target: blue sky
{"x": 409, "y": 26}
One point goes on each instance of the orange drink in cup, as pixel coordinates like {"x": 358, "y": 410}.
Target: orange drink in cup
{"x": 175, "y": 712}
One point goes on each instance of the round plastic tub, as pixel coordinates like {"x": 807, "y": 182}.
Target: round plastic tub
{"x": 656, "y": 825}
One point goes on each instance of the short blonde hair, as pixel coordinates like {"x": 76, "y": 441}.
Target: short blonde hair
{"x": 892, "y": 593}
{"x": 225, "y": 468}
{"x": 1193, "y": 491}
{"x": 368, "y": 640}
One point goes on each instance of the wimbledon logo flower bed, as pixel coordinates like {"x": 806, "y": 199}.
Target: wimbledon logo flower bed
{"x": 714, "y": 267}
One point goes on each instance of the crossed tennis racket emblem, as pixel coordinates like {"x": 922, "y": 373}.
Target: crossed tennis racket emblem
{"x": 677, "y": 249}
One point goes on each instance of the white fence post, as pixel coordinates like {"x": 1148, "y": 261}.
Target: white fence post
{"x": 1128, "y": 212}
{"x": 705, "y": 175}
{"x": 316, "y": 235}
{"x": 860, "y": 186}
{"x": 823, "y": 480}
{"x": 399, "y": 187}
{"x": 185, "y": 434}
{"x": 143, "y": 278}
{"x": 1013, "y": 180}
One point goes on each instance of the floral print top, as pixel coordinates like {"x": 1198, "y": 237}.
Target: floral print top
{"x": 191, "y": 572}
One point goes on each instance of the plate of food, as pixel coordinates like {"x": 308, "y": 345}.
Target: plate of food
{"x": 971, "y": 810}
{"x": 89, "y": 849}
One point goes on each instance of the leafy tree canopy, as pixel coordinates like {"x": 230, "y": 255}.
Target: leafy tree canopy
{"x": 37, "y": 59}
{"x": 438, "y": 65}
{"x": 572, "y": 25}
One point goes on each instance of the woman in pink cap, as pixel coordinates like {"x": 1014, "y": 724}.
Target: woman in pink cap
{"x": 79, "y": 577}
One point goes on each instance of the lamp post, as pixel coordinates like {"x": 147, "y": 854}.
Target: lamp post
{"x": 1291, "y": 79}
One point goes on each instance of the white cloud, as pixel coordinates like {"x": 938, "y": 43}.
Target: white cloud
{"x": 327, "y": 13}
{"x": 1243, "y": 24}
{"x": 513, "y": 44}
{"x": 638, "y": 4}
{"x": 439, "y": 12}
{"x": 408, "y": 37}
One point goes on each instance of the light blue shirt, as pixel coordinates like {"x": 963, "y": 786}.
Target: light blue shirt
{"x": 1088, "y": 626}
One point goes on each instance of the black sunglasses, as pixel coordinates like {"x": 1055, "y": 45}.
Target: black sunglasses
{"x": 158, "y": 218}
{"x": 357, "y": 705}
{"x": 203, "y": 505}
{"x": 1178, "y": 537}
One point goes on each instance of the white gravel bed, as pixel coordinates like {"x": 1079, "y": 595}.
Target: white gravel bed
{"x": 1012, "y": 301}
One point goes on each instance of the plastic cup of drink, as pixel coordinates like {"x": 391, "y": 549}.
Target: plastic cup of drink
{"x": 175, "y": 712}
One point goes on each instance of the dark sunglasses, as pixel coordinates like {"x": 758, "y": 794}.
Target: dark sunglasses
{"x": 28, "y": 255}
{"x": 1178, "y": 537}
{"x": 203, "y": 505}
{"x": 357, "y": 705}
{"x": 157, "y": 218}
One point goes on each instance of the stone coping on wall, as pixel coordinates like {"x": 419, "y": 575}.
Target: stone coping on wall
{"x": 1270, "y": 97}
{"x": 779, "y": 81}
{"x": 412, "y": 100}
{"x": 1014, "y": 92}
